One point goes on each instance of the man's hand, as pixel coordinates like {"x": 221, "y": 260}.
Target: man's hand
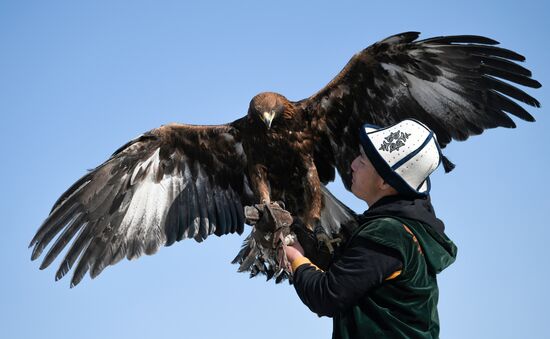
{"x": 293, "y": 251}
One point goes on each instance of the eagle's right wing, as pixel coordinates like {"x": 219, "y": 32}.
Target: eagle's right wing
{"x": 451, "y": 83}
{"x": 172, "y": 183}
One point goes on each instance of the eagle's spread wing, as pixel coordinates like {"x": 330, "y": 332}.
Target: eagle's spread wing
{"x": 449, "y": 83}
{"x": 172, "y": 183}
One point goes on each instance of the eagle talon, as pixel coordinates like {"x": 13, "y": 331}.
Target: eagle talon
{"x": 324, "y": 239}
{"x": 280, "y": 203}
{"x": 290, "y": 239}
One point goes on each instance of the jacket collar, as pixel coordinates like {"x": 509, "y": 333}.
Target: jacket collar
{"x": 419, "y": 209}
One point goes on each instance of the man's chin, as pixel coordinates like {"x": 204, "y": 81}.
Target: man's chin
{"x": 353, "y": 190}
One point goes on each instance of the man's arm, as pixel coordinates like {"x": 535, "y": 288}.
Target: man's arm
{"x": 363, "y": 265}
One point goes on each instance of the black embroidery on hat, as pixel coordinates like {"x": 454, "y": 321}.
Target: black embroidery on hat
{"x": 394, "y": 141}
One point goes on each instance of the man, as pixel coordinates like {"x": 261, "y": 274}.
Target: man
{"x": 383, "y": 283}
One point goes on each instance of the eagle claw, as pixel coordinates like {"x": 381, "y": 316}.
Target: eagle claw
{"x": 324, "y": 239}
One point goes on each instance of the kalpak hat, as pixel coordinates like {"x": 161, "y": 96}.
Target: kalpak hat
{"x": 404, "y": 155}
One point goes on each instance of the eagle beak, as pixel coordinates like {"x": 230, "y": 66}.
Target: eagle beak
{"x": 267, "y": 118}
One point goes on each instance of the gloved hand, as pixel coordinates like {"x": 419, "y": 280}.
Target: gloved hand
{"x": 272, "y": 232}
{"x": 271, "y": 221}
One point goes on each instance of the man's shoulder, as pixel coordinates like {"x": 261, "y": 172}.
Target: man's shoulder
{"x": 383, "y": 229}
{"x": 378, "y": 222}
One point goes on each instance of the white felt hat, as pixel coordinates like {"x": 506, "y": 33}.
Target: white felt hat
{"x": 404, "y": 155}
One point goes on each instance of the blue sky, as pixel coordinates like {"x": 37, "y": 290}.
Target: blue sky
{"x": 78, "y": 79}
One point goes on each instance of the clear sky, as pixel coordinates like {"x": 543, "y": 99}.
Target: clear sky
{"x": 80, "y": 78}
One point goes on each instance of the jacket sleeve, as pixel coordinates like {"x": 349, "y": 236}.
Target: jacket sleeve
{"x": 363, "y": 265}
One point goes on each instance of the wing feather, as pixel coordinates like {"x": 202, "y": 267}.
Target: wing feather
{"x": 505, "y": 65}
{"x": 68, "y": 233}
{"x": 510, "y": 76}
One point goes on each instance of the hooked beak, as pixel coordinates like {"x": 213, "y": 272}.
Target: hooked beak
{"x": 267, "y": 118}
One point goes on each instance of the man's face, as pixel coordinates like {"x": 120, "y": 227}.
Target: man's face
{"x": 365, "y": 180}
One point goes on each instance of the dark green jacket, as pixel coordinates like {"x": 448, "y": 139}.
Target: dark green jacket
{"x": 405, "y": 306}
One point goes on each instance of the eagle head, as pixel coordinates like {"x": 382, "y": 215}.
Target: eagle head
{"x": 267, "y": 107}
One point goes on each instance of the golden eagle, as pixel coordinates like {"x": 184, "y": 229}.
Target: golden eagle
{"x": 186, "y": 181}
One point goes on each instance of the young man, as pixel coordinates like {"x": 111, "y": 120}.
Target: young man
{"x": 383, "y": 284}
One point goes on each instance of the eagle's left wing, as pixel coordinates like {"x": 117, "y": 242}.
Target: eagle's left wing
{"x": 449, "y": 83}
{"x": 172, "y": 183}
